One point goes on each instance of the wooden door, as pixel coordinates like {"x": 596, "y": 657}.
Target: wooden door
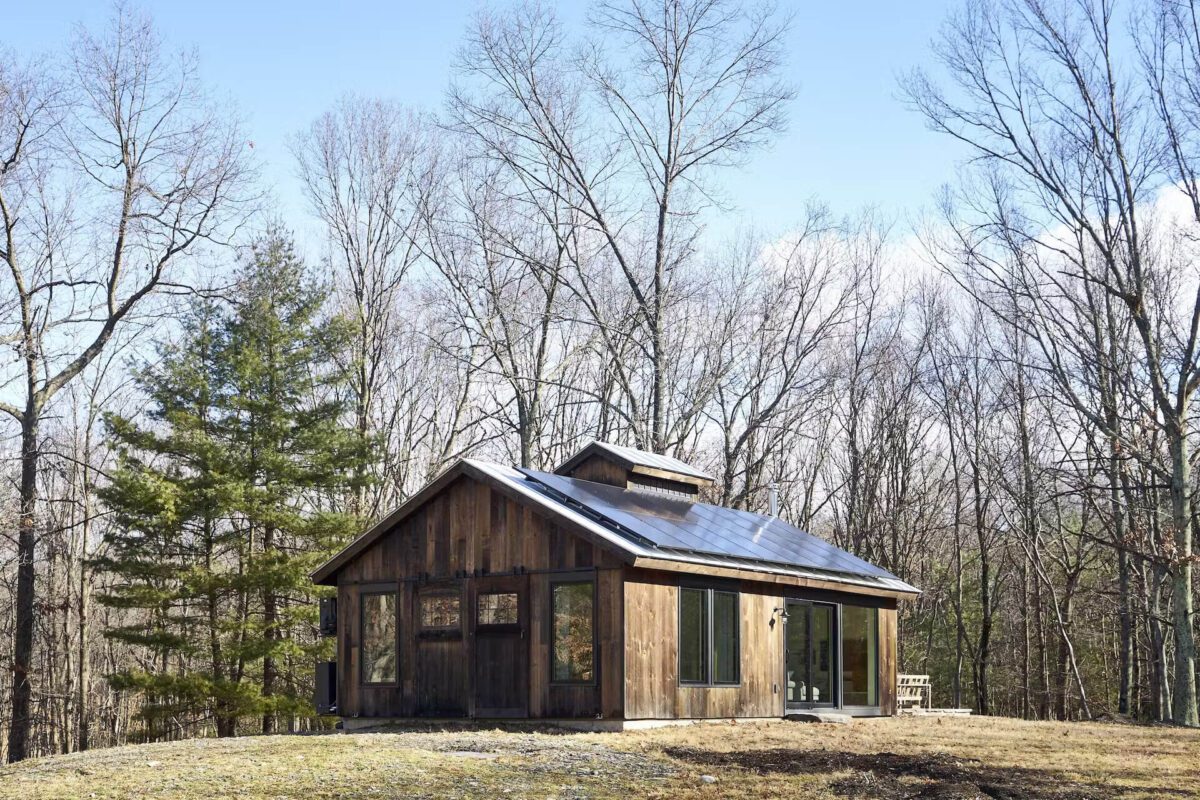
{"x": 500, "y": 651}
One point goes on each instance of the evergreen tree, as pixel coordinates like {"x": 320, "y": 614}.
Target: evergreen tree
{"x": 226, "y": 498}
{"x": 294, "y": 459}
{"x": 175, "y": 555}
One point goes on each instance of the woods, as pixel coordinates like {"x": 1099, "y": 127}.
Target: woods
{"x": 991, "y": 400}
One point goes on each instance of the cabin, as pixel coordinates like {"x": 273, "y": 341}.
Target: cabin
{"x": 604, "y": 591}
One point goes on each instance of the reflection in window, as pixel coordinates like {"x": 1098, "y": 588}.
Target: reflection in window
{"x": 439, "y": 611}
{"x": 379, "y": 637}
{"x": 725, "y": 637}
{"x": 497, "y": 608}
{"x": 860, "y": 656}
{"x": 693, "y": 635}
{"x": 709, "y": 629}
{"x": 571, "y": 632}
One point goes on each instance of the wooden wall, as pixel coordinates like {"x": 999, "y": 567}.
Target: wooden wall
{"x": 601, "y": 470}
{"x": 652, "y": 689}
{"x": 467, "y": 529}
{"x": 888, "y": 660}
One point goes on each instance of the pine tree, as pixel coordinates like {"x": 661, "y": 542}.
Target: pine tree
{"x": 294, "y": 459}
{"x": 226, "y": 498}
{"x": 176, "y": 557}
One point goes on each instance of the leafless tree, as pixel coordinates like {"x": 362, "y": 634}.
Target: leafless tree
{"x": 112, "y": 168}
{"x": 362, "y": 166}
{"x": 1072, "y": 157}
{"x": 630, "y": 130}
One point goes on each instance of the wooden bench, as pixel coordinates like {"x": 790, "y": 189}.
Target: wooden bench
{"x": 913, "y": 692}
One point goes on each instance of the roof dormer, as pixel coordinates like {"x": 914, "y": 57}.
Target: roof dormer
{"x": 629, "y": 468}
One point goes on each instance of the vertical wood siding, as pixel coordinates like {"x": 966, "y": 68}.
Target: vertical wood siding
{"x": 467, "y": 529}
{"x": 652, "y": 689}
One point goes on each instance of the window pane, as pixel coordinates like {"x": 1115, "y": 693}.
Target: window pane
{"x": 572, "y": 631}
{"x": 693, "y": 635}
{"x": 725, "y": 637}
{"x": 379, "y": 638}
{"x": 860, "y": 656}
{"x": 498, "y": 608}
{"x": 439, "y": 611}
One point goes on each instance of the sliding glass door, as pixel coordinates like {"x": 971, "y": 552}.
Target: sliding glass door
{"x": 810, "y": 654}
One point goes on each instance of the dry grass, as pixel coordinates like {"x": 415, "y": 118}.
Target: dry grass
{"x": 932, "y": 757}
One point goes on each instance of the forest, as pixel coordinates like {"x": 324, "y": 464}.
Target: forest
{"x": 991, "y": 399}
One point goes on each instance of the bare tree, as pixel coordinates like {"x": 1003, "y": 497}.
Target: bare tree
{"x": 362, "y": 166}
{"x": 111, "y": 169}
{"x": 630, "y": 130}
{"x": 1073, "y": 155}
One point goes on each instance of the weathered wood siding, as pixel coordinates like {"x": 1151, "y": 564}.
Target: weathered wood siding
{"x": 888, "y": 660}
{"x": 466, "y": 530}
{"x": 601, "y": 470}
{"x": 652, "y": 689}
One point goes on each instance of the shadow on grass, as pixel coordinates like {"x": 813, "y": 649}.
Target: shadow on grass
{"x": 890, "y": 776}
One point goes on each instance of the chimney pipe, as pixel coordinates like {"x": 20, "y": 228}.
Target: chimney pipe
{"x": 773, "y": 495}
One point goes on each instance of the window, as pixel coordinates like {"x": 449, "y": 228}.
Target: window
{"x": 440, "y": 611}
{"x": 860, "y": 656}
{"x": 693, "y": 635}
{"x": 378, "y": 625}
{"x": 709, "y": 637}
{"x": 497, "y": 608}
{"x": 571, "y": 632}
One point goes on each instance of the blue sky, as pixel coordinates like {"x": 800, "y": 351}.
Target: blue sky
{"x": 850, "y": 141}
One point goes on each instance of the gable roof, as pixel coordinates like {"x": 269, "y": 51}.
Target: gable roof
{"x": 655, "y": 531}
{"x": 633, "y": 459}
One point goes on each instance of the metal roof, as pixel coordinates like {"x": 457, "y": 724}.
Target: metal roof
{"x": 677, "y": 527}
{"x": 652, "y": 527}
{"x": 632, "y": 457}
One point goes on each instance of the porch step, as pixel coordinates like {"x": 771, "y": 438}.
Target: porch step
{"x": 835, "y": 717}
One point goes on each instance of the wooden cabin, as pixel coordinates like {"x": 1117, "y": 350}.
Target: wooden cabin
{"x": 602, "y": 591}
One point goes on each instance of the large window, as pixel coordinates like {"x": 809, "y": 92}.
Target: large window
{"x": 709, "y": 637}
{"x": 572, "y": 632}
{"x": 860, "y": 656}
{"x": 378, "y": 626}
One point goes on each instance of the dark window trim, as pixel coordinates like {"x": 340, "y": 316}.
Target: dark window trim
{"x": 439, "y": 631}
{"x": 841, "y": 607}
{"x": 550, "y": 636}
{"x": 362, "y": 637}
{"x": 709, "y": 590}
{"x": 835, "y": 656}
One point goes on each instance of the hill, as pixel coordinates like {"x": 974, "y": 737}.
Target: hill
{"x": 927, "y": 757}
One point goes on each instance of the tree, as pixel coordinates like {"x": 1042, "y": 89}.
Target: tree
{"x": 1071, "y": 157}
{"x": 225, "y": 502}
{"x": 178, "y": 560}
{"x": 362, "y": 166}
{"x": 290, "y": 455}
{"x": 624, "y": 138}
{"x": 113, "y": 166}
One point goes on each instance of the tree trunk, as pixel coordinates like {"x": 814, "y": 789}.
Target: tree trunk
{"x": 22, "y": 690}
{"x": 85, "y": 664}
{"x": 1183, "y": 695}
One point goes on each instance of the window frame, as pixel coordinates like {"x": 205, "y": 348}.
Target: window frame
{"x": 872, "y": 664}
{"x": 381, "y": 591}
{"x": 497, "y": 627}
{"x": 595, "y": 680}
{"x": 708, "y": 651}
{"x": 439, "y": 631}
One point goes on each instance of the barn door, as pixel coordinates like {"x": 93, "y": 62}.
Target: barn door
{"x": 500, "y": 628}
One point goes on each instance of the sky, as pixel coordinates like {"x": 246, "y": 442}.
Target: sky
{"x": 850, "y": 142}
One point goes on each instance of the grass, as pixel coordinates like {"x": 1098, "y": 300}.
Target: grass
{"x": 927, "y": 757}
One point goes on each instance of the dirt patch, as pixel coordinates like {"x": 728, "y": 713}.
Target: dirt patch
{"x": 890, "y": 776}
